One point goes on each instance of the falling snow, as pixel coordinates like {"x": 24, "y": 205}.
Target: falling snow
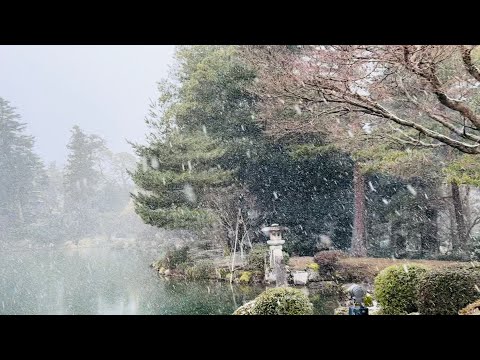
{"x": 412, "y": 190}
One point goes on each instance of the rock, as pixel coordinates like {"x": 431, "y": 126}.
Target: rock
{"x": 270, "y": 277}
{"x": 313, "y": 275}
{"x": 245, "y": 309}
{"x": 300, "y": 278}
{"x": 341, "y": 310}
{"x": 161, "y": 271}
{"x": 167, "y": 272}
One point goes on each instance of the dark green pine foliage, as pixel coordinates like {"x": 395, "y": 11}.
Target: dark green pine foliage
{"x": 22, "y": 176}
{"x": 173, "y": 177}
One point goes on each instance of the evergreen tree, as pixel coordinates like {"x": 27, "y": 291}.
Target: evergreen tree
{"x": 209, "y": 98}
{"x": 22, "y": 176}
{"x": 174, "y": 176}
{"x": 82, "y": 183}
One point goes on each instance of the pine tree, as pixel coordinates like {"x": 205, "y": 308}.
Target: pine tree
{"x": 21, "y": 175}
{"x": 81, "y": 183}
{"x": 173, "y": 178}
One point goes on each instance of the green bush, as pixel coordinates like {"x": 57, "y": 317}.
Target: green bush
{"x": 203, "y": 269}
{"x": 396, "y": 288}
{"x": 445, "y": 291}
{"x": 327, "y": 260}
{"x": 282, "y": 301}
{"x": 368, "y": 301}
{"x": 256, "y": 258}
{"x": 174, "y": 257}
{"x": 246, "y": 277}
{"x": 300, "y": 245}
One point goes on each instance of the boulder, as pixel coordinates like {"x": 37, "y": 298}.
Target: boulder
{"x": 300, "y": 278}
{"x": 167, "y": 272}
{"x": 245, "y": 309}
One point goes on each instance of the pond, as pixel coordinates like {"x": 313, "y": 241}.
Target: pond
{"x": 112, "y": 281}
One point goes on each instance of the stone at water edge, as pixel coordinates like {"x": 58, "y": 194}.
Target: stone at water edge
{"x": 245, "y": 309}
{"x": 300, "y": 278}
{"x": 167, "y": 272}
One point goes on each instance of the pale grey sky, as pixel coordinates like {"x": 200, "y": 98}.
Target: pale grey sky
{"x": 104, "y": 89}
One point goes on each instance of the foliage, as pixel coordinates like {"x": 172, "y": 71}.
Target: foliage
{"x": 203, "y": 269}
{"x": 245, "y": 277}
{"x": 22, "y": 177}
{"x": 300, "y": 245}
{"x": 446, "y": 291}
{"x": 368, "y": 300}
{"x": 174, "y": 257}
{"x": 313, "y": 266}
{"x": 256, "y": 257}
{"x": 328, "y": 260}
{"x": 396, "y": 286}
{"x": 464, "y": 170}
{"x": 82, "y": 184}
{"x": 282, "y": 301}
{"x": 172, "y": 177}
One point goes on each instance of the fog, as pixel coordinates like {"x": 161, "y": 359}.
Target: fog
{"x": 103, "y": 89}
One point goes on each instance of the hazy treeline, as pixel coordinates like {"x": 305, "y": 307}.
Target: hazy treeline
{"x": 47, "y": 204}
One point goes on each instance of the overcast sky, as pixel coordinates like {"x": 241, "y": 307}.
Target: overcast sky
{"x": 103, "y": 89}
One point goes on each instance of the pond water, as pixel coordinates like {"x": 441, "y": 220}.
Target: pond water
{"x": 112, "y": 281}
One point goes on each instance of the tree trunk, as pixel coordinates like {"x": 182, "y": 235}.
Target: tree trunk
{"x": 460, "y": 239}
{"x": 359, "y": 243}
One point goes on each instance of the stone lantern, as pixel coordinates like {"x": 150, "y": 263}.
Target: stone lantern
{"x": 276, "y": 270}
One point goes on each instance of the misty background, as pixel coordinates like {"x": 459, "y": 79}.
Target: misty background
{"x": 103, "y": 89}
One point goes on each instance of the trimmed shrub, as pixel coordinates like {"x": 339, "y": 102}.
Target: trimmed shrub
{"x": 445, "y": 291}
{"x": 282, "y": 301}
{"x": 471, "y": 309}
{"x": 396, "y": 288}
{"x": 327, "y": 260}
{"x": 313, "y": 266}
{"x": 256, "y": 258}
{"x": 246, "y": 277}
